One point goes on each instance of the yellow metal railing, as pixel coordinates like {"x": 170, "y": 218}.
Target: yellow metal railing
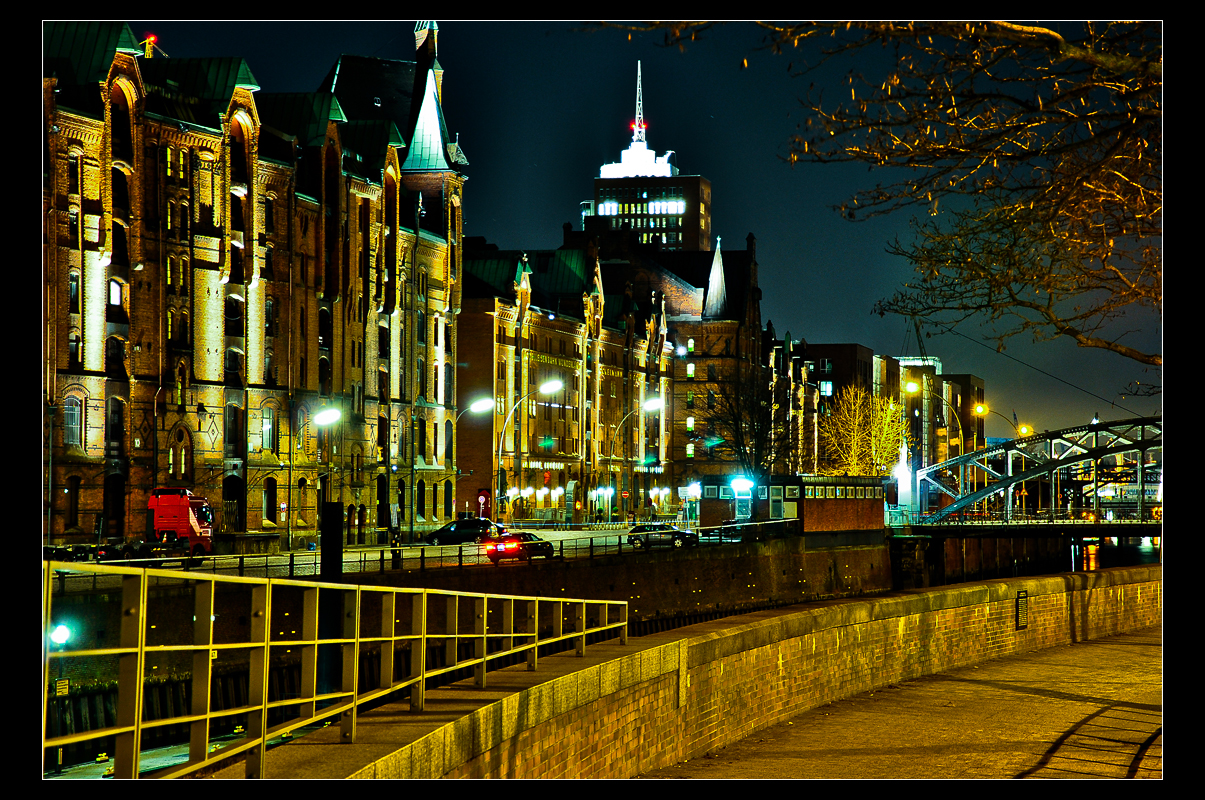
{"x": 127, "y": 624}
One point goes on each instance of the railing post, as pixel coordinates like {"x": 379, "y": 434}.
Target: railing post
{"x": 388, "y": 632}
{"x": 531, "y": 626}
{"x": 351, "y": 663}
{"x": 479, "y": 641}
{"x": 257, "y": 683}
{"x": 129, "y": 682}
{"x": 418, "y": 650}
{"x": 580, "y": 625}
{"x": 202, "y": 634}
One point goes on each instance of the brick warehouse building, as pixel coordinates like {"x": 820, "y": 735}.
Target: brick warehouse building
{"x": 532, "y": 317}
{"x": 712, "y": 307}
{"x": 220, "y": 264}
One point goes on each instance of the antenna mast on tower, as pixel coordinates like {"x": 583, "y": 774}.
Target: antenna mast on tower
{"x": 638, "y": 125}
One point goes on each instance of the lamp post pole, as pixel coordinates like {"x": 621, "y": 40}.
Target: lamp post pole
{"x": 1019, "y": 430}
{"x": 549, "y": 387}
{"x": 652, "y": 404}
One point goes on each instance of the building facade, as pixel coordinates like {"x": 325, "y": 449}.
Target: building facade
{"x": 221, "y": 264}
{"x": 591, "y": 448}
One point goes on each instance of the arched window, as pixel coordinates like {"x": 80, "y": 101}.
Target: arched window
{"x": 114, "y": 427}
{"x": 73, "y": 422}
{"x": 270, "y": 505}
{"x": 115, "y": 354}
{"x": 268, "y": 429}
{"x": 421, "y": 500}
{"x": 234, "y": 367}
{"x": 448, "y": 430}
{"x": 449, "y": 500}
{"x": 75, "y": 357}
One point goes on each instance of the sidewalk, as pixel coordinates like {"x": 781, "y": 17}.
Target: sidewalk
{"x": 1088, "y": 710}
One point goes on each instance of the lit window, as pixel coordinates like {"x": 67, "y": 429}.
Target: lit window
{"x": 690, "y": 423}
{"x": 690, "y": 370}
{"x": 114, "y": 293}
{"x": 690, "y": 450}
{"x": 826, "y": 388}
{"x": 690, "y": 345}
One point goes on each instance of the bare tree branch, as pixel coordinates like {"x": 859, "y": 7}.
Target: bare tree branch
{"x": 1047, "y": 138}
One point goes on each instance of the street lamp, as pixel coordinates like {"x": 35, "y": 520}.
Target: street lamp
{"x": 652, "y": 404}
{"x": 478, "y": 407}
{"x": 912, "y": 388}
{"x": 324, "y": 419}
{"x": 550, "y": 387}
{"x": 1020, "y": 431}
{"x": 607, "y": 492}
{"x": 59, "y": 636}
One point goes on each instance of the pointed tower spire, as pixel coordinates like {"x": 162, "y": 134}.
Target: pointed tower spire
{"x": 638, "y": 125}
{"x": 715, "y": 306}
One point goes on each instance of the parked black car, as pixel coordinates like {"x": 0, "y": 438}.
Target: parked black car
{"x": 652, "y": 534}
{"x": 523, "y": 546}
{"x": 465, "y": 531}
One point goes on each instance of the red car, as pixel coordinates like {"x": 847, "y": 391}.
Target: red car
{"x": 523, "y": 546}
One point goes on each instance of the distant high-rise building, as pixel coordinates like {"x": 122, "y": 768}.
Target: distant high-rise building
{"x": 644, "y": 192}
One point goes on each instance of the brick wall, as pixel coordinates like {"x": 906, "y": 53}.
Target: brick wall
{"x": 685, "y": 698}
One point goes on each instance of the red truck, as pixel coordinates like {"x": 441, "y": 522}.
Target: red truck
{"x": 179, "y": 523}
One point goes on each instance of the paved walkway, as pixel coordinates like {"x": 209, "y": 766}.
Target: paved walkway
{"x": 1089, "y": 710}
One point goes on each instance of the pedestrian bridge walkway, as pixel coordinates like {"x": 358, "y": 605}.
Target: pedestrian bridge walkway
{"x": 622, "y": 710}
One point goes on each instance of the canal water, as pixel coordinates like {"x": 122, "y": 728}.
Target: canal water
{"x": 1093, "y": 554}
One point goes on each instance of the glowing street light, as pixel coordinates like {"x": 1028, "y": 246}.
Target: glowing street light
{"x": 549, "y": 387}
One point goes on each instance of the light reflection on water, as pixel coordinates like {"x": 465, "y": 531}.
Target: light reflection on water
{"x": 1094, "y": 554}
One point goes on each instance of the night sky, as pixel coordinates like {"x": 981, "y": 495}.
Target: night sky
{"x": 539, "y": 107}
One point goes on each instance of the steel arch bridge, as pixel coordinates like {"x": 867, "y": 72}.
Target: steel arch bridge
{"x": 1046, "y": 452}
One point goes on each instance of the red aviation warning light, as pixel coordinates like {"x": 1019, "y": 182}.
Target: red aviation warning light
{"x": 150, "y": 44}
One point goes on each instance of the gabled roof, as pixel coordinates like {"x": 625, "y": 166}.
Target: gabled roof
{"x": 371, "y": 139}
{"x": 302, "y": 114}
{"x": 196, "y": 90}
{"x": 79, "y": 55}
{"x": 554, "y": 275}
{"x": 372, "y": 88}
{"x": 384, "y": 89}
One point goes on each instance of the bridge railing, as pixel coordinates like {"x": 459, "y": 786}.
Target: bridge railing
{"x": 136, "y": 627}
{"x": 1151, "y": 516}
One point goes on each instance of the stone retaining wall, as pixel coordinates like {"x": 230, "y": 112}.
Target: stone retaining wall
{"x": 663, "y": 705}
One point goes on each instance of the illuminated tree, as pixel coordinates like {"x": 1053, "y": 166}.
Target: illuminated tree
{"x": 743, "y": 422}
{"x": 1034, "y": 154}
{"x": 862, "y": 434}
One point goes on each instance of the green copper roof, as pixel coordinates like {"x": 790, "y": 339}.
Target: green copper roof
{"x": 303, "y": 114}
{"x": 82, "y": 52}
{"x": 79, "y": 55}
{"x": 428, "y": 149}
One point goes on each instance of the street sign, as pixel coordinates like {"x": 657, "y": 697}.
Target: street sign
{"x": 624, "y": 494}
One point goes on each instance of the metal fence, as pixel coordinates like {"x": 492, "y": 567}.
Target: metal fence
{"x": 131, "y": 627}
